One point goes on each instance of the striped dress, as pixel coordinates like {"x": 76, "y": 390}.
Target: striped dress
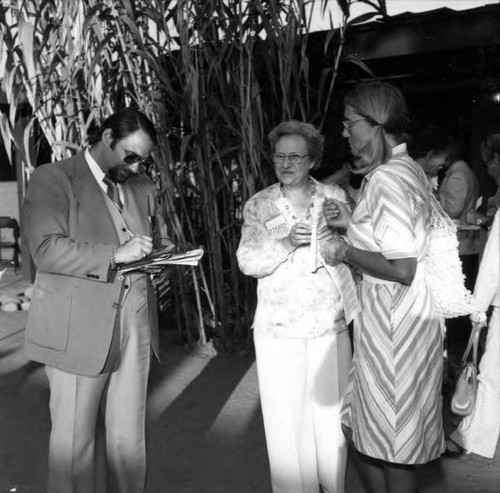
{"x": 393, "y": 404}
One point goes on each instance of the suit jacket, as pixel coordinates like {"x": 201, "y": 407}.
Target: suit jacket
{"x": 71, "y": 234}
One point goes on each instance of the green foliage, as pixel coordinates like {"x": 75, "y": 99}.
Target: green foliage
{"x": 215, "y": 76}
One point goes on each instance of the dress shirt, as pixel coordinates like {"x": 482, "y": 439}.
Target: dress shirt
{"x": 297, "y": 297}
{"x": 99, "y": 175}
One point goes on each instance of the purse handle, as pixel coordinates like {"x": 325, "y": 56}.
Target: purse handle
{"x": 472, "y": 344}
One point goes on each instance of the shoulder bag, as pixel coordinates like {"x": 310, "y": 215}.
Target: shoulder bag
{"x": 443, "y": 269}
{"x": 464, "y": 395}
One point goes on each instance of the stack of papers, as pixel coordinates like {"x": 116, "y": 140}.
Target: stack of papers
{"x": 157, "y": 260}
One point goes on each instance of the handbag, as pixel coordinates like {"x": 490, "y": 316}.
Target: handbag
{"x": 464, "y": 395}
{"x": 443, "y": 269}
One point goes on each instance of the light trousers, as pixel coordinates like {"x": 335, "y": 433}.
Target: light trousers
{"x": 301, "y": 384}
{"x": 74, "y": 404}
{"x": 479, "y": 432}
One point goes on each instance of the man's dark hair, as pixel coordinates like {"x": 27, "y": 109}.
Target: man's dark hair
{"x": 428, "y": 138}
{"x": 124, "y": 123}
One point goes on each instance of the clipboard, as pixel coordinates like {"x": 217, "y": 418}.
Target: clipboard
{"x": 161, "y": 258}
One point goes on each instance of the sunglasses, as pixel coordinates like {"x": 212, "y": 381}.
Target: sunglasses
{"x": 143, "y": 162}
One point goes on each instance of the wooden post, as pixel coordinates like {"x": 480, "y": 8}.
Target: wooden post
{"x": 27, "y": 266}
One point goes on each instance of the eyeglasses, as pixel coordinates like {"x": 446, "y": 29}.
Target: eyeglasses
{"x": 349, "y": 123}
{"x": 142, "y": 162}
{"x": 293, "y": 158}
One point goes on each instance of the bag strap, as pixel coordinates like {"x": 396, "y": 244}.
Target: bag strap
{"x": 472, "y": 344}
{"x": 437, "y": 209}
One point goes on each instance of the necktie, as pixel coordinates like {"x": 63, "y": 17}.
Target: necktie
{"x": 113, "y": 192}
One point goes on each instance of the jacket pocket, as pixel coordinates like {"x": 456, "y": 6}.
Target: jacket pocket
{"x": 49, "y": 319}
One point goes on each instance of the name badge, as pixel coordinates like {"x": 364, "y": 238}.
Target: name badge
{"x": 275, "y": 223}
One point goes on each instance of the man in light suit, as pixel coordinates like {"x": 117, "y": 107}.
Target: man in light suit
{"x": 92, "y": 327}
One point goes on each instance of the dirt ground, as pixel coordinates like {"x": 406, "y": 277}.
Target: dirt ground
{"x": 205, "y": 432}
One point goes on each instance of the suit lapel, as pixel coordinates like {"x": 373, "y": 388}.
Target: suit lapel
{"x": 93, "y": 219}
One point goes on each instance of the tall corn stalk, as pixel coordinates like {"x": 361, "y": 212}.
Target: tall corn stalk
{"x": 215, "y": 76}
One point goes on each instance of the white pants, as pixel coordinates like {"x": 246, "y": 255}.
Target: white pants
{"x": 480, "y": 431}
{"x": 301, "y": 383}
{"x": 74, "y": 405}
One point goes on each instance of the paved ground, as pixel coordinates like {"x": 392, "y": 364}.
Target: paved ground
{"x": 205, "y": 429}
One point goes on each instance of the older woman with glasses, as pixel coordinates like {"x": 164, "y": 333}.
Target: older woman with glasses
{"x": 393, "y": 405}
{"x": 301, "y": 340}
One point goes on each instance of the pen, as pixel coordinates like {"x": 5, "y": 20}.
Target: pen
{"x": 152, "y": 221}
{"x": 152, "y": 225}
{"x": 149, "y": 220}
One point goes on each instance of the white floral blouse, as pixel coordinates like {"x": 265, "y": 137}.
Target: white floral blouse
{"x": 298, "y": 295}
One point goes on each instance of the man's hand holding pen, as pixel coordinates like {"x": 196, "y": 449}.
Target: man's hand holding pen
{"x": 135, "y": 248}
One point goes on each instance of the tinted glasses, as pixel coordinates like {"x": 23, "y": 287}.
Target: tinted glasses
{"x": 143, "y": 162}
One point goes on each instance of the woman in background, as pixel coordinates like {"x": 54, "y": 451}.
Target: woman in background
{"x": 479, "y": 432}
{"x": 393, "y": 406}
{"x": 490, "y": 154}
{"x": 430, "y": 147}
{"x": 302, "y": 346}
{"x": 458, "y": 194}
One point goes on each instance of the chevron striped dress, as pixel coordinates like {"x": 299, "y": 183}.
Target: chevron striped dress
{"x": 393, "y": 404}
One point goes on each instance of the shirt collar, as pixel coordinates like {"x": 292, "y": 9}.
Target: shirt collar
{"x": 95, "y": 169}
{"x": 399, "y": 149}
{"x": 396, "y": 151}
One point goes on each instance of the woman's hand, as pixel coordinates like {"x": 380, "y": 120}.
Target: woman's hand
{"x": 476, "y": 217}
{"x": 333, "y": 251}
{"x": 478, "y": 318}
{"x": 299, "y": 235}
{"x": 336, "y": 213}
